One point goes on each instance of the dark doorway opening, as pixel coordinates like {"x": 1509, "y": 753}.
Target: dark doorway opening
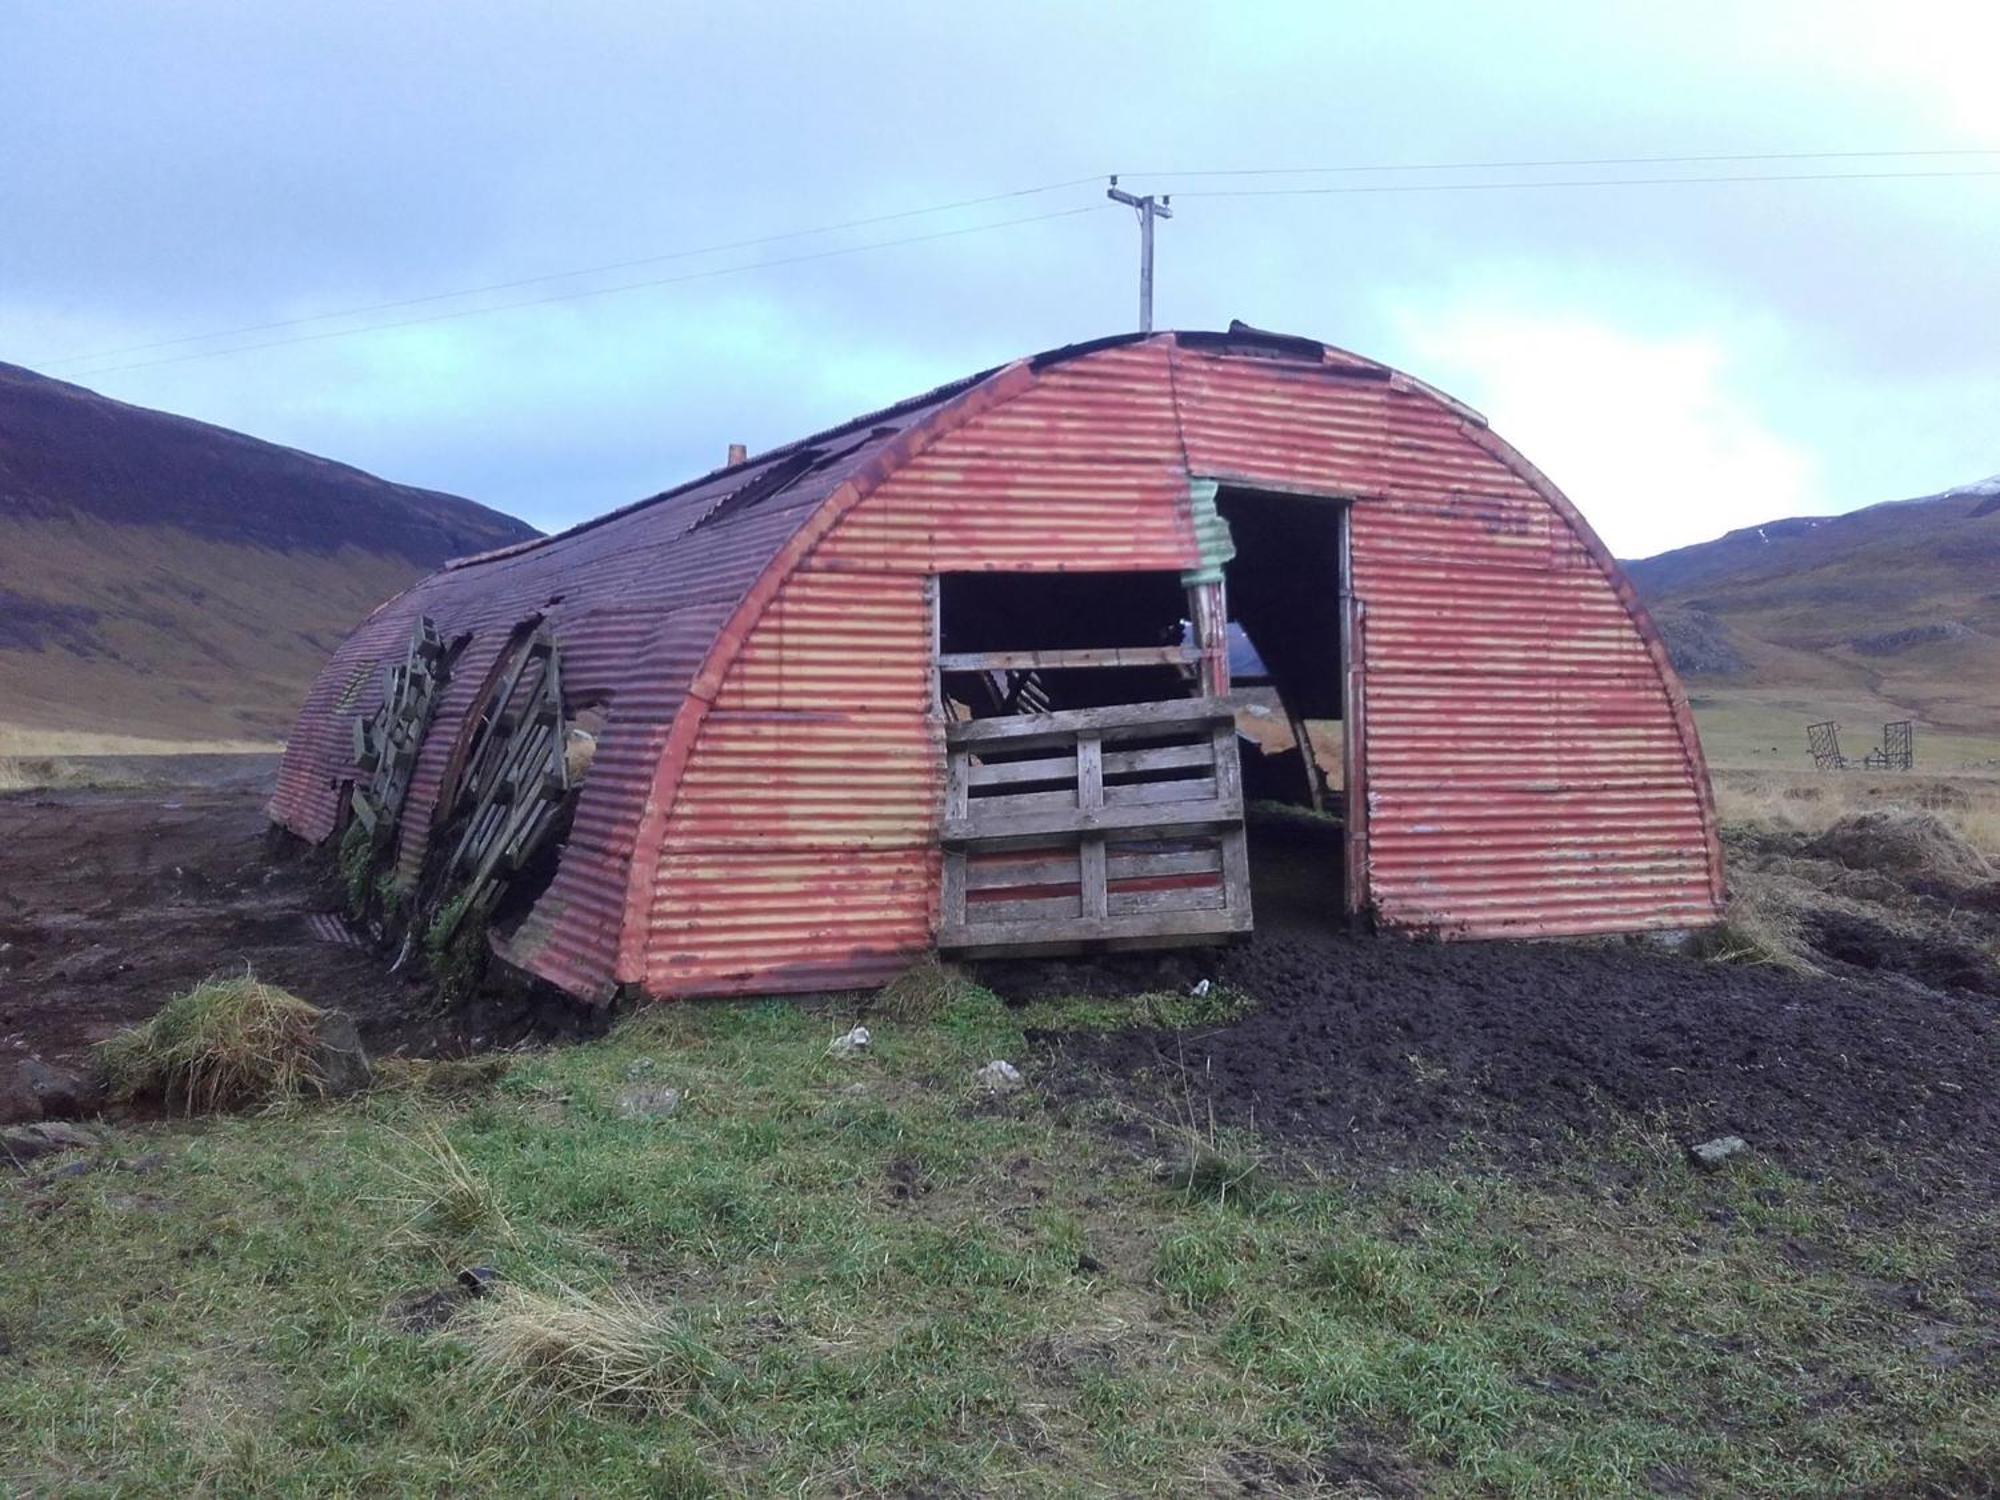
{"x": 1287, "y": 594}
{"x": 1036, "y": 642}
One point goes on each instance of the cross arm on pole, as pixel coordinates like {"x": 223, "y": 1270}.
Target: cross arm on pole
{"x": 1149, "y": 208}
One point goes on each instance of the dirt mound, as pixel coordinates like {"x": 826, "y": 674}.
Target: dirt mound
{"x": 1379, "y": 1051}
{"x": 1910, "y": 843}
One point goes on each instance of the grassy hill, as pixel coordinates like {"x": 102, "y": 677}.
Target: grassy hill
{"x": 1890, "y": 612}
{"x": 165, "y": 579}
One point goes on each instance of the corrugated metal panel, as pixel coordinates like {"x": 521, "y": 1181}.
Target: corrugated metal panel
{"x": 824, "y": 753}
{"x": 636, "y": 601}
{"x": 1526, "y": 771}
{"x": 1529, "y": 760}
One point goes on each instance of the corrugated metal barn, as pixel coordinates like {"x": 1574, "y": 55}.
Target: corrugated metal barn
{"x": 959, "y": 674}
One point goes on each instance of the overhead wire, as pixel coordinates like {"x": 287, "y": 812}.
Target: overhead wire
{"x": 597, "y": 270}
{"x": 1571, "y": 182}
{"x": 605, "y": 291}
{"x": 1319, "y": 190}
{"x": 1551, "y": 163}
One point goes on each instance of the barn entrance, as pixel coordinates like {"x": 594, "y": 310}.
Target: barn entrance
{"x": 1291, "y": 681}
{"x": 1093, "y": 795}
{"x": 1139, "y": 759}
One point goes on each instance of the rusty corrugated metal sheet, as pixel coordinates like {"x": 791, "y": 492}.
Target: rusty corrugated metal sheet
{"x": 800, "y": 851}
{"x": 762, "y": 811}
{"x": 636, "y": 600}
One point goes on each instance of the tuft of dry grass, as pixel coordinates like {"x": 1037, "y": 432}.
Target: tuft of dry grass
{"x": 923, "y": 991}
{"x": 1761, "y": 926}
{"x": 540, "y": 1348}
{"x": 1906, "y": 841}
{"x": 1968, "y": 807}
{"x": 229, "y": 1042}
{"x": 447, "y": 1198}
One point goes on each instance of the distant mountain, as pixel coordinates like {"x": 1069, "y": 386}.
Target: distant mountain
{"x": 1900, "y": 600}
{"x": 164, "y": 577}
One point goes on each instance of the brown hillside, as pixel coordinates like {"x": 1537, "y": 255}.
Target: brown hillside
{"x": 1896, "y": 607}
{"x": 164, "y": 577}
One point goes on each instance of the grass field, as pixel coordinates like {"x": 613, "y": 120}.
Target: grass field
{"x": 1765, "y": 729}
{"x": 32, "y": 758}
{"x": 866, "y": 1276}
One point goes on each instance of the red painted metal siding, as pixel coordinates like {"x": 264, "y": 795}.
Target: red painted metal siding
{"x": 801, "y": 850}
{"x": 637, "y": 600}
{"x": 761, "y": 814}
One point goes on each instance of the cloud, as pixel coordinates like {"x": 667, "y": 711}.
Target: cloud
{"x": 1655, "y": 437}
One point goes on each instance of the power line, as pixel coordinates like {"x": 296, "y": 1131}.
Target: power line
{"x": 1571, "y": 162}
{"x": 1569, "y": 182}
{"x": 603, "y": 291}
{"x": 600, "y": 270}
{"x": 1016, "y": 193}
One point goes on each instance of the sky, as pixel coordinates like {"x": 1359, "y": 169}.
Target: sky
{"x": 1681, "y": 358}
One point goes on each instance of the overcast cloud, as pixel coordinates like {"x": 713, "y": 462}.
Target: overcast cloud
{"x": 1680, "y": 358}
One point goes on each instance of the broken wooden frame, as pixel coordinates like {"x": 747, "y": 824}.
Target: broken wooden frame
{"x": 387, "y": 742}
{"x": 512, "y": 792}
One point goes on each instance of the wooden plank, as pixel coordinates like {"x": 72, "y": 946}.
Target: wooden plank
{"x": 1147, "y": 866}
{"x": 1115, "y": 763}
{"x": 1148, "y": 793}
{"x": 1043, "y": 768}
{"x": 956, "y": 784}
{"x": 1090, "y": 852}
{"x": 1235, "y": 843}
{"x": 1059, "y": 869}
{"x": 1178, "y": 898}
{"x": 951, "y": 899}
{"x": 1041, "y": 826}
{"x": 1119, "y": 721}
{"x": 1077, "y": 659}
{"x": 1006, "y": 804}
{"x": 1150, "y": 943}
{"x": 1000, "y": 935}
{"x": 1024, "y": 909}
{"x": 1158, "y": 758}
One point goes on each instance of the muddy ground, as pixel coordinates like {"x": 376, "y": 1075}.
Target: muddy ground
{"x": 113, "y": 900}
{"x": 1386, "y": 1052}
{"x": 1357, "y": 1048}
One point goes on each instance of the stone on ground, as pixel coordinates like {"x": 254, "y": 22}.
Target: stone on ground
{"x": 999, "y": 1077}
{"x": 853, "y": 1043}
{"x": 1711, "y": 1154}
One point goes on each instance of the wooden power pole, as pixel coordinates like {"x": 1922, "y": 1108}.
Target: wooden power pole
{"x": 1149, "y": 208}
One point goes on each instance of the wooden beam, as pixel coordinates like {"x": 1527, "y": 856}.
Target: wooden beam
{"x": 1120, "y": 721}
{"x": 1078, "y": 659}
{"x": 1168, "y": 818}
{"x": 1093, "y": 929}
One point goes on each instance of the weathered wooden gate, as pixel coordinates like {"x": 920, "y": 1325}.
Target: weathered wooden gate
{"x": 1111, "y": 827}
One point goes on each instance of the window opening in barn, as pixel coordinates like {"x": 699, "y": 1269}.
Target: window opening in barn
{"x": 1287, "y": 603}
{"x": 1092, "y": 787}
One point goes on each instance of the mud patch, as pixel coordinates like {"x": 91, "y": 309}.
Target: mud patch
{"x": 1386, "y": 1052}
{"x": 112, "y": 901}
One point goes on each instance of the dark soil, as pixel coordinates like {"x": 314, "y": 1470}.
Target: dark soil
{"x": 111, "y": 902}
{"x": 1366, "y": 1049}
{"x": 1390, "y": 1051}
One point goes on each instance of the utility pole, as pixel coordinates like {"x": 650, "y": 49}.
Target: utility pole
{"x": 1149, "y": 208}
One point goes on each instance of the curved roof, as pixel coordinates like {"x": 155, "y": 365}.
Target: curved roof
{"x": 643, "y": 599}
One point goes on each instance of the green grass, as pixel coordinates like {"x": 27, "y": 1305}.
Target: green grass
{"x": 866, "y": 1276}
{"x": 227, "y": 1043}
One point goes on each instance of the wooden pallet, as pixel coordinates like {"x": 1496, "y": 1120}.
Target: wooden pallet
{"x": 386, "y": 743}
{"x": 1113, "y": 827}
{"x": 513, "y": 790}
